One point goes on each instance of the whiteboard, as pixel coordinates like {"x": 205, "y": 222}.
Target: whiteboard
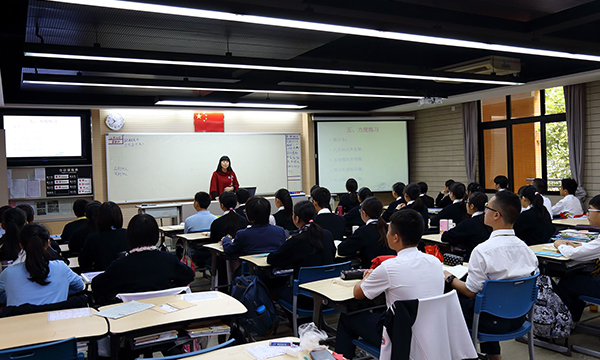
{"x": 162, "y": 167}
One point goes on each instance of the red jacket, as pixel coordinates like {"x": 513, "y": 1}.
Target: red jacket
{"x": 220, "y": 180}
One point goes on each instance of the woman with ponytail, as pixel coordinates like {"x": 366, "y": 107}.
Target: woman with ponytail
{"x": 456, "y": 211}
{"x": 38, "y": 280}
{"x": 350, "y": 200}
{"x": 13, "y": 221}
{"x": 412, "y": 195}
{"x": 283, "y": 216}
{"x": 534, "y": 224}
{"x": 370, "y": 238}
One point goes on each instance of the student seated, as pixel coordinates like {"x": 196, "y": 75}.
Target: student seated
{"x": 202, "y": 219}
{"x": 369, "y": 239}
{"x": 473, "y": 188}
{"x": 571, "y": 288}
{"x": 353, "y": 216}
{"x": 456, "y": 211}
{"x": 38, "y": 280}
{"x": 443, "y": 198}
{"x": 13, "y": 220}
{"x": 534, "y": 224}
{"x": 230, "y": 222}
{"x": 242, "y": 196}
{"x": 28, "y": 210}
{"x": 79, "y": 211}
{"x": 103, "y": 247}
{"x": 145, "y": 268}
{"x": 542, "y": 188}
{"x": 349, "y": 200}
{"x": 569, "y": 203}
{"x": 261, "y": 237}
{"x": 398, "y": 194}
{"x": 502, "y": 257}
{"x": 2, "y": 210}
{"x": 501, "y": 183}
{"x": 410, "y": 275}
{"x": 78, "y": 238}
{"x": 427, "y": 200}
{"x": 472, "y": 231}
{"x": 414, "y": 201}
{"x": 336, "y": 224}
{"x": 30, "y": 215}
{"x": 283, "y": 216}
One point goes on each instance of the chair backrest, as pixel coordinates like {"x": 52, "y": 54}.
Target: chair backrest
{"x": 507, "y": 299}
{"x": 57, "y": 350}
{"x": 125, "y": 297}
{"x": 315, "y": 273}
{"x": 194, "y": 353}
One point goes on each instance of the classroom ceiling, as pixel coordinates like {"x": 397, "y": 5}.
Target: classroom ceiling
{"x": 215, "y": 59}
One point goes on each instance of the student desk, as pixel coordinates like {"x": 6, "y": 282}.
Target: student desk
{"x": 32, "y": 329}
{"x": 202, "y": 237}
{"x": 74, "y": 263}
{"x": 151, "y": 320}
{"x": 216, "y": 250}
{"x": 570, "y": 222}
{"x": 434, "y": 211}
{"x": 433, "y": 238}
{"x": 257, "y": 260}
{"x": 558, "y": 266}
{"x": 64, "y": 247}
{"x": 169, "y": 231}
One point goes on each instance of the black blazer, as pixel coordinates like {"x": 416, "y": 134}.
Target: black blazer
{"x": 442, "y": 200}
{"x": 531, "y": 229}
{"x": 78, "y": 238}
{"x": 298, "y": 252}
{"x": 346, "y": 204}
{"x": 424, "y": 215}
{"x": 70, "y": 229}
{"x": 468, "y": 234}
{"x": 456, "y": 212}
{"x": 283, "y": 221}
{"x": 102, "y": 248}
{"x": 428, "y": 201}
{"x": 391, "y": 209}
{"x": 353, "y": 217}
{"x": 241, "y": 210}
{"x": 334, "y": 223}
{"x": 366, "y": 241}
{"x": 218, "y": 228}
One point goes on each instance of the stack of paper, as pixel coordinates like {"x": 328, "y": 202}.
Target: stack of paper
{"x": 154, "y": 338}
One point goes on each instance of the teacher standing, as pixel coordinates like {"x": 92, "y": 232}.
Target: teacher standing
{"x": 223, "y": 179}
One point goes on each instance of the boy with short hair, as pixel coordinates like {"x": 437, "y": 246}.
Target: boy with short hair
{"x": 79, "y": 211}
{"x": 336, "y": 224}
{"x": 501, "y": 183}
{"x": 569, "y": 203}
{"x": 201, "y": 220}
{"x": 242, "y": 196}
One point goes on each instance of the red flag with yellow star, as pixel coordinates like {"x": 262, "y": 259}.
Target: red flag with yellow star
{"x": 209, "y": 122}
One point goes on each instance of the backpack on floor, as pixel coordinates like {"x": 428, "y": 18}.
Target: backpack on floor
{"x": 261, "y": 318}
{"x": 551, "y": 317}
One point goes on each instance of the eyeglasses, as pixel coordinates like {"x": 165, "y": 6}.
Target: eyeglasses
{"x": 489, "y": 208}
{"x": 593, "y": 210}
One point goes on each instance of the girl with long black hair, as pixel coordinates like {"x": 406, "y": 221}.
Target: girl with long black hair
{"x": 283, "y": 216}
{"x": 534, "y": 224}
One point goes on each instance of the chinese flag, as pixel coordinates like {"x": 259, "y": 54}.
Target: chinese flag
{"x": 209, "y": 122}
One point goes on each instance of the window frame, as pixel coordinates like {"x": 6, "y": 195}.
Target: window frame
{"x": 508, "y": 124}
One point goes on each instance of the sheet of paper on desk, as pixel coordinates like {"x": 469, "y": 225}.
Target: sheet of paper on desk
{"x": 201, "y": 296}
{"x": 265, "y": 351}
{"x": 126, "y": 309}
{"x": 69, "y": 314}
{"x": 89, "y": 276}
{"x": 459, "y": 270}
{"x": 549, "y": 253}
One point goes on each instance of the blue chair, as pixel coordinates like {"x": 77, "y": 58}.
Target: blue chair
{"x": 366, "y": 347}
{"x": 509, "y": 299}
{"x": 194, "y": 353}
{"x": 587, "y": 328}
{"x": 306, "y": 275}
{"x": 57, "y": 350}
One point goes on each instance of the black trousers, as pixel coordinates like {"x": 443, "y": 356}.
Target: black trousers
{"x": 362, "y": 324}
{"x": 571, "y": 288}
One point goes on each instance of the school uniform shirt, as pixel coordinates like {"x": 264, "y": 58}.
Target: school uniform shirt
{"x": 140, "y": 271}
{"x": 569, "y": 204}
{"x": 102, "y": 248}
{"x": 220, "y": 180}
{"x": 353, "y": 218}
{"x": 410, "y": 275}
{"x": 16, "y": 288}
{"x": 284, "y": 221}
{"x": 346, "y": 204}
{"x": 529, "y": 228}
{"x": 241, "y": 210}
{"x": 468, "y": 233}
{"x": 298, "y": 252}
{"x": 366, "y": 241}
{"x": 200, "y": 221}
{"x": 71, "y": 227}
{"x": 387, "y": 214}
{"x": 548, "y": 205}
{"x": 256, "y": 239}
{"x": 218, "y": 228}
{"x": 336, "y": 224}
{"x": 442, "y": 200}
{"x": 503, "y": 256}
{"x": 586, "y": 252}
{"x": 455, "y": 212}
{"x": 427, "y": 200}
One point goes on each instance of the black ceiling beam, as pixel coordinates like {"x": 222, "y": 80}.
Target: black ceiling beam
{"x": 13, "y": 21}
{"x": 565, "y": 19}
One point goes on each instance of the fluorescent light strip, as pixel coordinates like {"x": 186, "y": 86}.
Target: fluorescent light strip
{"x": 337, "y": 29}
{"x": 227, "y": 104}
{"x": 267, "y": 68}
{"x": 160, "y": 87}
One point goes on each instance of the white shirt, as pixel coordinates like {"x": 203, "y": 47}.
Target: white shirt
{"x": 456, "y": 201}
{"x": 477, "y": 213}
{"x": 410, "y": 275}
{"x": 548, "y": 205}
{"x": 272, "y": 220}
{"x": 410, "y": 202}
{"x": 585, "y": 252}
{"x": 371, "y": 221}
{"x": 502, "y": 256}
{"x": 398, "y": 198}
{"x": 281, "y": 208}
{"x": 570, "y": 204}
{"x": 324, "y": 211}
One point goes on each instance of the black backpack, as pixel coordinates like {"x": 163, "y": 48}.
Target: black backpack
{"x": 261, "y": 318}
{"x": 551, "y": 317}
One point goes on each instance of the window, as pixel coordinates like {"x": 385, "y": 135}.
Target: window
{"x": 532, "y": 142}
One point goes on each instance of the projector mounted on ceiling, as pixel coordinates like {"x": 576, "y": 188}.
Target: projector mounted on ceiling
{"x": 430, "y": 101}
{"x": 489, "y": 65}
